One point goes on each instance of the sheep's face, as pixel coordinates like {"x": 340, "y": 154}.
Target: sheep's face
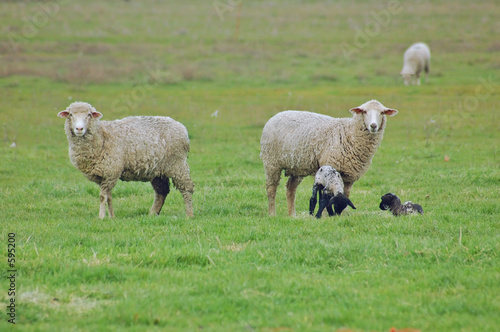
{"x": 407, "y": 78}
{"x": 373, "y": 113}
{"x": 78, "y": 116}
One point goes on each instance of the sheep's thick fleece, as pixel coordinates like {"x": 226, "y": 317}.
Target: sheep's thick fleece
{"x": 139, "y": 148}
{"x": 300, "y": 142}
{"x": 417, "y": 58}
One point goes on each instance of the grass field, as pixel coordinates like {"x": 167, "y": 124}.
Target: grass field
{"x": 231, "y": 267}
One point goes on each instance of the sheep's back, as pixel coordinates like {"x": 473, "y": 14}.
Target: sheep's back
{"x": 415, "y": 57}
{"x": 149, "y": 145}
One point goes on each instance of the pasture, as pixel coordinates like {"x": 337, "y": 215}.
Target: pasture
{"x": 223, "y": 69}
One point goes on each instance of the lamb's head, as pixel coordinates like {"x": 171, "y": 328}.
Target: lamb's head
{"x": 389, "y": 200}
{"x": 340, "y": 202}
{"x": 79, "y": 117}
{"x": 373, "y": 114}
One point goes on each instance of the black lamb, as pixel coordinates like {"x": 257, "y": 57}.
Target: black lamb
{"x": 329, "y": 186}
{"x": 393, "y": 203}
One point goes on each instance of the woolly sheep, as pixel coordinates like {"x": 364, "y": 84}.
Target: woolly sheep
{"x": 393, "y": 203}
{"x": 416, "y": 58}
{"x": 330, "y": 187}
{"x": 300, "y": 142}
{"x": 139, "y": 148}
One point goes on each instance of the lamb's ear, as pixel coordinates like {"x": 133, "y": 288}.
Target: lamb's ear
{"x": 356, "y": 110}
{"x": 350, "y": 204}
{"x": 390, "y": 112}
{"x": 96, "y": 115}
{"x": 63, "y": 114}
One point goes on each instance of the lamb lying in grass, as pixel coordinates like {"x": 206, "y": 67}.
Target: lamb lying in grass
{"x": 393, "y": 203}
{"x": 330, "y": 187}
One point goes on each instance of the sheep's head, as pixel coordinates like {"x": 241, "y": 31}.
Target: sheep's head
{"x": 78, "y": 116}
{"x": 388, "y": 200}
{"x": 373, "y": 113}
{"x": 407, "y": 77}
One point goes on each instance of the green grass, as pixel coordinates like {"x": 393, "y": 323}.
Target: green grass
{"x": 231, "y": 267}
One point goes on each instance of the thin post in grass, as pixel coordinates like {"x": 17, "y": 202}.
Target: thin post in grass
{"x": 238, "y": 19}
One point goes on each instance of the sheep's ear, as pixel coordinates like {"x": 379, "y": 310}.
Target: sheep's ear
{"x": 96, "y": 115}
{"x": 390, "y": 112}
{"x": 356, "y": 110}
{"x": 63, "y": 114}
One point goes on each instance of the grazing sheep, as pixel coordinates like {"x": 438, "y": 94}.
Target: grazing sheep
{"x": 139, "y": 148}
{"x": 330, "y": 187}
{"x": 393, "y": 203}
{"x": 300, "y": 142}
{"x": 417, "y": 58}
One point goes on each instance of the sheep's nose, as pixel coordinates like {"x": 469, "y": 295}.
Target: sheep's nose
{"x": 373, "y": 125}
{"x": 79, "y": 128}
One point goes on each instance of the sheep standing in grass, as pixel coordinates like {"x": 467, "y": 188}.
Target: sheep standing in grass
{"x": 330, "y": 187}
{"x": 417, "y": 58}
{"x": 393, "y": 203}
{"x": 142, "y": 148}
{"x": 300, "y": 142}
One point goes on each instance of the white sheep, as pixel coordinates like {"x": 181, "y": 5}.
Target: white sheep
{"x": 300, "y": 142}
{"x": 139, "y": 148}
{"x": 416, "y": 58}
{"x": 328, "y": 185}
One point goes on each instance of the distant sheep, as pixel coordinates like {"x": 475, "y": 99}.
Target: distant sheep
{"x": 300, "y": 142}
{"x": 416, "y": 58}
{"x": 142, "y": 148}
{"x": 330, "y": 187}
{"x": 393, "y": 203}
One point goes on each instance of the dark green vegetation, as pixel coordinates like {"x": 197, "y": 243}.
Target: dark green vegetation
{"x": 231, "y": 267}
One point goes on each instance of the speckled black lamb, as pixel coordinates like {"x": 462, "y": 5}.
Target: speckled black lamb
{"x": 300, "y": 142}
{"x": 329, "y": 186}
{"x": 393, "y": 203}
{"x": 139, "y": 148}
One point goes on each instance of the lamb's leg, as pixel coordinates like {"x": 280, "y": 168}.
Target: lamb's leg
{"x": 272, "y": 181}
{"x": 347, "y": 188}
{"x": 185, "y": 185}
{"x": 314, "y": 200}
{"x": 161, "y": 185}
{"x": 330, "y": 210}
{"x": 291, "y": 188}
{"x": 323, "y": 203}
{"x": 105, "y": 197}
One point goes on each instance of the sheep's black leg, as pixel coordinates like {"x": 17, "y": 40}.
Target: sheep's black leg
{"x": 323, "y": 203}
{"x": 161, "y": 186}
{"x": 313, "y": 200}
